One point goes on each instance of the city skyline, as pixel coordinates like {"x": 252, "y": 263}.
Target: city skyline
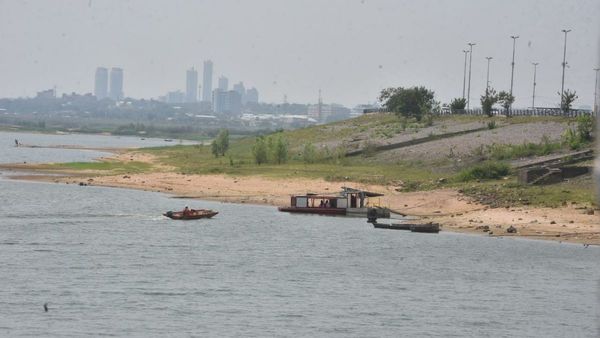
{"x": 395, "y": 43}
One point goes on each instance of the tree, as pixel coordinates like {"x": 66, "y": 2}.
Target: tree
{"x": 409, "y": 102}
{"x": 488, "y": 100}
{"x": 281, "y": 150}
{"x": 567, "y": 99}
{"x": 309, "y": 153}
{"x": 220, "y": 144}
{"x": 458, "y": 104}
{"x": 259, "y": 150}
{"x": 506, "y": 99}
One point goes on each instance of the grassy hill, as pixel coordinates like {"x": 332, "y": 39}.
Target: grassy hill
{"x": 470, "y": 153}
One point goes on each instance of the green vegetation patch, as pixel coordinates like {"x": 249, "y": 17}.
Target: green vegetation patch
{"x": 484, "y": 171}
{"x": 510, "y": 193}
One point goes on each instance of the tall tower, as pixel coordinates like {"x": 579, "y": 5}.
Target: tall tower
{"x": 191, "y": 85}
{"x": 320, "y": 106}
{"x": 252, "y": 95}
{"x": 239, "y": 87}
{"x": 116, "y": 84}
{"x": 101, "y": 83}
{"x": 207, "y": 81}
{"x": 223, "y": 83}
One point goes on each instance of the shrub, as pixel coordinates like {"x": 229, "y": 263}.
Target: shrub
{"x": 572, "y": 139}
{"x": 369, "y": 149}
{"x": 491, "y": 124}
{"x": 585, "y": 127}
{"x": 486, "y": 170}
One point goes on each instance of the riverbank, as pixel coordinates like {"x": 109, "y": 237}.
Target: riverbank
{"x": 455, "y": 212}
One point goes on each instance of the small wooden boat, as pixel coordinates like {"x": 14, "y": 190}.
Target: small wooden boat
{"x": 425, "y": 227}
{"x": 192, "y": 214}
{"x": 393, "y": 226}
{"x": 413, "y": 227}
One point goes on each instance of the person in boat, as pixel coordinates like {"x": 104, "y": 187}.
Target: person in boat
{"x": 327, "y": 204}
{"x": 186, "y": 211}
{"x": 321, "y": 205}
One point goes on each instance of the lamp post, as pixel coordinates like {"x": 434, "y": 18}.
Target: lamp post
{"x": 512, "y": 72}
{"x": 534, "y": 83}
{"x": 487, "y": 81}
{"x": 596, "y": 92}
{"x": 465, "y": 73}
{"x": 564, "y": 64}
{"x": 470, "y": 62}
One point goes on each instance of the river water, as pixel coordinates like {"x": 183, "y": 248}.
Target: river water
{"x": 107, "y": 263}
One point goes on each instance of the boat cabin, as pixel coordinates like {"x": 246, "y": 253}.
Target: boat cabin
{"x": 349, "y": 202}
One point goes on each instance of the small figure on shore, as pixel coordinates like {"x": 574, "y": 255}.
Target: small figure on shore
{"x": 16, "y": 143}
{"x": 45, "y": 307}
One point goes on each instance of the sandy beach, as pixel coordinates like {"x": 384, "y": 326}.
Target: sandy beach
{"x": 454, "y": 211}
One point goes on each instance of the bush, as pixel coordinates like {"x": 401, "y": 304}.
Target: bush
{"x": 585, "y": 127}
{"x": 369, "y": 149}
{"x": 491, "y": 124}
{"x": 486, "y": 170}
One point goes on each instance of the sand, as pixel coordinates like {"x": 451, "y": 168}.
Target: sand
{"x": 454, "y": 211}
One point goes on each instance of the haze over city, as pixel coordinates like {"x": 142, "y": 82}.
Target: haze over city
{"x": 295, "y": 48}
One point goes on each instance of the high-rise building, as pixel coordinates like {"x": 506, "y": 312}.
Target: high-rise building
{"x": 223, "y": 83}
{"x": 101, "y": 83}
{"x": 175, "y": 97}
{"x": 207, "y": 81}
{"x": 239, "y": 87}
{"x": 116, "y": 84}
{"x": 191, "y": 85}
{"x": 252, "y": 95}
{"x": 227, "y": 102}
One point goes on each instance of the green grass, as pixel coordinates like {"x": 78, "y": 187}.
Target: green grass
{"x": 484, "y": 171}
{"x": 510, "y": 193}
{"x": 502, "y": 152}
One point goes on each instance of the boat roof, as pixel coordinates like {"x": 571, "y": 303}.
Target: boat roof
{"x": 348, "y": 190}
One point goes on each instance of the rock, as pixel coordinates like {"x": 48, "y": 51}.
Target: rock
{"x": 484, "y": 228}
{"x": 552, "y": 222}
{"x": 511, "y": 230}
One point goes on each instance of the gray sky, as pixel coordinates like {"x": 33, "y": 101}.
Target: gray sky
{"x": 350, "y": 49}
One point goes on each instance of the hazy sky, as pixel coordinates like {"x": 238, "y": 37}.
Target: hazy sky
{"x": 350, "y": 49}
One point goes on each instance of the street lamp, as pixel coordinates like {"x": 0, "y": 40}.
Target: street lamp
{"x": 465, "y": 72}
{"x": 564, "y": 64}
{"x": 470, "y": 62}
{"x": 487, "y": 81}
{"x": 596, "y": 92}
{"x": 534, "y": 83}
{"x": 512, "y": 72}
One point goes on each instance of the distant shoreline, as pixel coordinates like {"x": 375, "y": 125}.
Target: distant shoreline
{"x": 454, "y": 211}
